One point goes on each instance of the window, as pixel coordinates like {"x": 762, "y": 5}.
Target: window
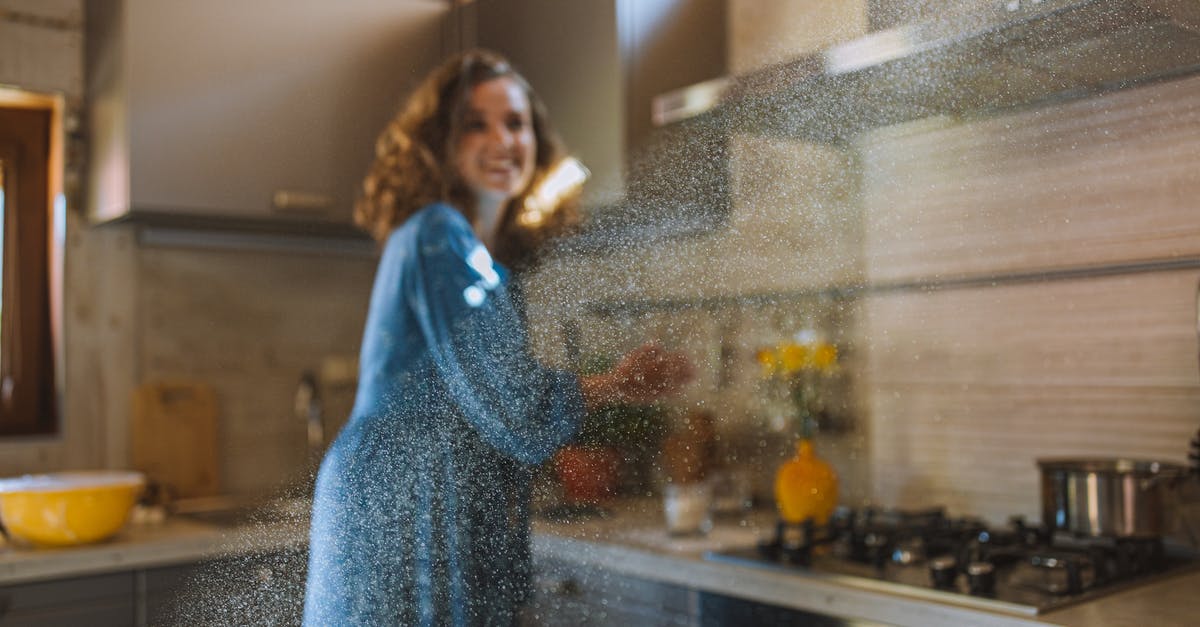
{"x": 27, "y": 368}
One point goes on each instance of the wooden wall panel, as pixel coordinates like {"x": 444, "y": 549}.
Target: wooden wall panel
{"x": 1090, "y": 182}
{"x": 1135, "y": 331}
{"x": 968, "y": 387}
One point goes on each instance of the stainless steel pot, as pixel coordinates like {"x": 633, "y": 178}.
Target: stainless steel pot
{"x": 1108, "y": 497}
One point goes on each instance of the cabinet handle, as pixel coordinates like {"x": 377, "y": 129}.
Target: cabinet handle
{"x": 299, "y": 201}
{"x": 561, "y": 587}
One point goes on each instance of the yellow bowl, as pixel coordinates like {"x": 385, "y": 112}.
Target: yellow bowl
{"x": 68, "y": 508}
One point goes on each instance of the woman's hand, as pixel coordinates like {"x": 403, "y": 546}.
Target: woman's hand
{"x": 646, "y": 373}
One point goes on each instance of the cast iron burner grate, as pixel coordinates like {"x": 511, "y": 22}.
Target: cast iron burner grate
{"x": 1016, "y": 565}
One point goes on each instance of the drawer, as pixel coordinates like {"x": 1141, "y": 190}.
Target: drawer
{"x": 569, "y": 594}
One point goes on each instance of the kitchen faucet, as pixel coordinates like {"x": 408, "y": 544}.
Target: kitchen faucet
{"x": 308, "y": 407}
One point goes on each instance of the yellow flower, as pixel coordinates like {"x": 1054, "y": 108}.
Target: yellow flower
{"x": 825, "y": 357}
{"x": 795, "y": 357}
{"x": 766, "y": 359}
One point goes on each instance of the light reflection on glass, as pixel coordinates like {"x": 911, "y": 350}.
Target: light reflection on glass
{"x": 567, "y": 176}
{"x": 481, "y": 262}
{"x": 1093, "y": 501}
{"x": 474, "y": 295}
{"x": 689, "y": 101}
{"x": 869, "y": 51}
{"x": 60, "y": 217}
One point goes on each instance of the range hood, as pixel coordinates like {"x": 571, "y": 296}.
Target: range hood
{"x": 1016, "y": 52}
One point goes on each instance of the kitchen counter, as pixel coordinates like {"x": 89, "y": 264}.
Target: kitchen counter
{"x": 176, "y": 541}
{"x": 630, "y": 541}
{"x": 634, "y": 542}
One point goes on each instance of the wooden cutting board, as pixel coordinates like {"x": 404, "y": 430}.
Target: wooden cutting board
{"x": 174, "y": 436}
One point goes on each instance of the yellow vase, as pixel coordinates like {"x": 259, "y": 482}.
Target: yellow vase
{"x": 806, "y": 487}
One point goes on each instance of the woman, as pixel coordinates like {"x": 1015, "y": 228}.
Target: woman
{"x": 421, "y": 505}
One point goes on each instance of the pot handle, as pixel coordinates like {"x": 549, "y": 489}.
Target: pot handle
{"x": 1170, "y": 475}
{"x": 1194, "y": 454}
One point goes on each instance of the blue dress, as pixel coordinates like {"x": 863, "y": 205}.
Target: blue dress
{"x": 421, "y": 510}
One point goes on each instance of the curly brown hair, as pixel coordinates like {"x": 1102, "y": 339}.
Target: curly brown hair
{"x": 414, "y": 160}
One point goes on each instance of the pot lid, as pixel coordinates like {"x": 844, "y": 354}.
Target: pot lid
{"x": 1108, "y": 465}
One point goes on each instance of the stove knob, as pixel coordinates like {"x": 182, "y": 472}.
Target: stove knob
{"x": 1074, "y": 578}
{"x": 944, "y": 571}
{"x": 903, "y": 556}
{"x": 770, "y": 549}
{"x": 981, "y": 578}
{"x": 877, "y": 548}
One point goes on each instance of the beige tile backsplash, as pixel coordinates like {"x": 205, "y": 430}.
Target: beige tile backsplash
{"x": 250, "y": 323}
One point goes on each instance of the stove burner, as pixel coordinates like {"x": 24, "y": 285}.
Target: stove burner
{"x": 1059, "y": 573}
{"x": 981, "y": 578}
{"x": 943, "y": 571}
{"x": 962, "y": 555}
{"x": 794, "y": 542}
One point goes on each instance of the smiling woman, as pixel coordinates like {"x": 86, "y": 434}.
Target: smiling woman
{"x": 421, "y": 507}
{"x": 27, "y": 390}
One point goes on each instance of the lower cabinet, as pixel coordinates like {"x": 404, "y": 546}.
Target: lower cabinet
{"x": 252, "y": 589}
{"x": 721, "y": 611}
{"x": 268, "y": 589}
{"x": 96, "y": 601}
{"x": 567, "y": 594}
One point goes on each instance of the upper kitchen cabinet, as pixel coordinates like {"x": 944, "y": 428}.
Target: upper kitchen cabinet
{"x": 258, "y": 114}
{"x": 972, "y": 60}
{"x": 598, "y": 65}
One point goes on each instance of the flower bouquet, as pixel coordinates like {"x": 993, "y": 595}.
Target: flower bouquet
{"x": 806, "y": 487}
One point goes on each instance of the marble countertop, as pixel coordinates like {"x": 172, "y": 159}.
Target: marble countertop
{"x": 632, "y": 540}
{"x": 175, "y": 541}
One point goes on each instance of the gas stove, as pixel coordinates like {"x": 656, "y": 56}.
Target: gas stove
{"x": 1018, "y": 568}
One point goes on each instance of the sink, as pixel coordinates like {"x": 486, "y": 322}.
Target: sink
{"x": 227, "y": 512}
